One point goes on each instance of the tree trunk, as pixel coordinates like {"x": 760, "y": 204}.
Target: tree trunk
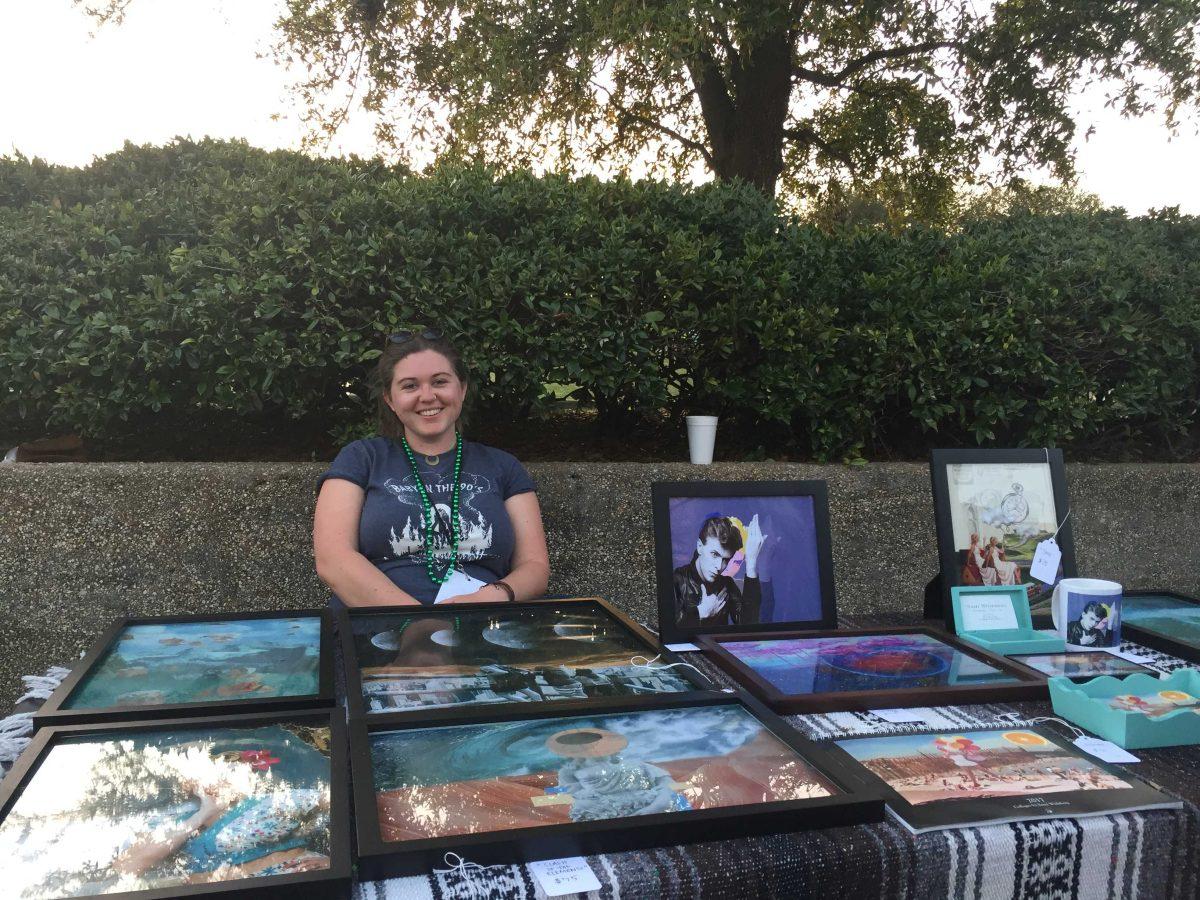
{"x": 744, "y": 110}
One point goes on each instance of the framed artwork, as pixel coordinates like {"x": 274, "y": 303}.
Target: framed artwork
{"x": 436, "y": 660}
{"x": 165, "y": 667}
{"x": 736, "y": 556}
{"x": 246, "y": 806}
{"x": 990, "y": 776}
{"x": 538, "y": 783}
{"x": 1164, "y": 620}
{"x": 825, "y": 671}
{"x": 991, "y": 510}
{"x": 1079, "y": 665}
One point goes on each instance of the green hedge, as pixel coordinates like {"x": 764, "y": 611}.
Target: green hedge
{"x": 210, "y": 278}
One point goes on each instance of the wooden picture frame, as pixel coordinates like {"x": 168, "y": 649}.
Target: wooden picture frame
{"x": 334, "y": 881}
{"x": 641, "y": 641}
{"x": 1027, "y": 685}
{"x": 1156, "y": 639}
{"x": 1022, "y": 660}
{"x": 1011, "y": 515}
{"x": 382, "y": 858}
{"x": 58, "y": 711}
{"x": 794, "y": 583}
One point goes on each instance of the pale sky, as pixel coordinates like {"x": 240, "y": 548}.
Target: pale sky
{"x": 190, "y": 67}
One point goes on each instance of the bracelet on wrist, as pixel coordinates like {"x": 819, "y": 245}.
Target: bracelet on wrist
{"x": 507, "y": 588}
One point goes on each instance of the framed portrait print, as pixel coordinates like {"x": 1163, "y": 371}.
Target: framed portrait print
{"x": 735, "y": 556}
{"x": 243, "y": 806}
{"x": 1164, "y": 620}
{"x": 531, "y": 784}
{"x": 436, "y": 660}
{"x": 991, "y": 510}
{"x": 170, "y": 666}
{"x": 852, "y": 669}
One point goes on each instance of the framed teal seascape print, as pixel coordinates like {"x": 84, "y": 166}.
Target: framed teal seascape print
{"x": 248, "y": 804}
{"x": 154, "y": 668}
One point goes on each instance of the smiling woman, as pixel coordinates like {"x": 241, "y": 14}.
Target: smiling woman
{"x": 417, "y": 515}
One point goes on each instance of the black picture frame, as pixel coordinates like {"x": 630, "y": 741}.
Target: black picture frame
{"x": 949, "y": 563}
{"x": 1030, "y": 685}
{"x": 333, "y": 882}
{"x": 52, "y": 712}
{"x": 1021, "y": 660}
{"x": 1153, "y": 639}
{"x": 353, "y": 674}
{"x": 378, "y": 858}
{"x": 662, "y": 492}
{"x": 981, "y": 812}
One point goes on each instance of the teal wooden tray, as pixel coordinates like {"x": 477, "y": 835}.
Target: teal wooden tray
{"x": 1087, "y": 705}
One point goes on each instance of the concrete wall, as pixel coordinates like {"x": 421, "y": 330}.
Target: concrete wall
{"x": 82, "y": 544}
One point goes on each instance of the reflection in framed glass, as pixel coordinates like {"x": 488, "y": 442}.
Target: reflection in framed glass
{"x": 538, "y": 783}
{"x": 169, "y": 666}
{"x": 736, "y": 556}
{"x": 1079, "y": 665}
{"x": 425, "y": 662}
{"x": 825, "y": 671}
{"x": 991, "y": 510}
{"x": 247, "y": 806}
{"x": 1165, "y": 620}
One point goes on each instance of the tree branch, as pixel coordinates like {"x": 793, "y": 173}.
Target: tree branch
{"x": 838, "y": 79}
{"x": 806, "y": 134}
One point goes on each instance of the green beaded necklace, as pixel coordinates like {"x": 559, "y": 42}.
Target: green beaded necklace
{"x": 428, "y": 514}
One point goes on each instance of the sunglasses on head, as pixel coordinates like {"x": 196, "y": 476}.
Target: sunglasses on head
{"x": 403, "y": 337}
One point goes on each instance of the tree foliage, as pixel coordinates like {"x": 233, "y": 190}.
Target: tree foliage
{"x": 916, "y": 93}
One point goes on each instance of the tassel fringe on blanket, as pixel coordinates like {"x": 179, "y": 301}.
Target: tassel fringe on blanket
{"x": 17, "y": 730}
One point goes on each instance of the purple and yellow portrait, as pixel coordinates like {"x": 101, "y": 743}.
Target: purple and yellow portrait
{"x": 744, "y": 560}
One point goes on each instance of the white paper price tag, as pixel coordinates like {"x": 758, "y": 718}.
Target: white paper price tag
{"x": 1105, "y": 750}
{"x": 1045, "y": 561}
{"x": 681, "y": 648}
{"x": 900, "y": 716}
{"x": 571, "y": 875}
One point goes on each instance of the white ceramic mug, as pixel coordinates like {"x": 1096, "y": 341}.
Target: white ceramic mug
{"x": 1087, "y": 613}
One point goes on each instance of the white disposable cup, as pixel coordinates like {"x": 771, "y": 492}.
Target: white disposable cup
{"x": 702, "y": 436}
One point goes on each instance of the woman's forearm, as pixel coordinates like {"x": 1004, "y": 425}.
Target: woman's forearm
{"x": 357, "y": 582}
{"x": 528, "y": 580}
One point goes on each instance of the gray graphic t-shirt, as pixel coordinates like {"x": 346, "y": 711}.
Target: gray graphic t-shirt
{"x": 391, "y": 533}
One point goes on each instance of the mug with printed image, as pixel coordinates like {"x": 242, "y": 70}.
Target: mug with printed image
{"x": 1087, "y": 613}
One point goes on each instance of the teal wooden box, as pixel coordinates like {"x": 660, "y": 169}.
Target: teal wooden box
{"x": 1022, "y": 639}
{"x": 1087, "y": 706}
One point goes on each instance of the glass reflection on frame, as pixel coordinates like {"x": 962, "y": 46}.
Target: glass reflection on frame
{"x": 154, "y": 809}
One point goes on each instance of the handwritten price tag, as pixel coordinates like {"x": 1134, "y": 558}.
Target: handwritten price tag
{"x": 571, "y": 875}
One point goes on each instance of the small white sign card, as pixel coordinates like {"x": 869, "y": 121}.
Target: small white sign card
{"x": 459, "y": 584}
{"x": 1106, "y": 750}
{"x": 901, "y": 716}
{"x": 681, "y": 648}
{"x": 570, "y": 875}
{"x": 1046, "y": 558}
{"x": 987, "y": 612}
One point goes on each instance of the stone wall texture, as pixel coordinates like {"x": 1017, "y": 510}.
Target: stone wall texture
{"x": 81, "y": 544}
